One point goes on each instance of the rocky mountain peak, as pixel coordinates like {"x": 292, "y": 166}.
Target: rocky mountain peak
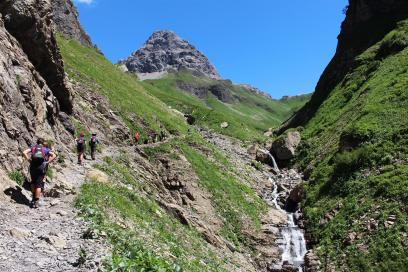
{"x": 165, "y": 51}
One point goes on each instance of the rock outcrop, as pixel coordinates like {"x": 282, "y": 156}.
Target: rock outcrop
{"x": 284, "y": 148}
{"x": 165, "y": 51}
{"x": 255, "y": 90}
{"x": 65, "y": 16}
{"x": 366, "y": 23}
{"x": 28, "y": 107}
{"x": 30, "y": 22}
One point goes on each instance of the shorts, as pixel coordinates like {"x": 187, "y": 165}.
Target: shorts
{"x": 37, "y": 177}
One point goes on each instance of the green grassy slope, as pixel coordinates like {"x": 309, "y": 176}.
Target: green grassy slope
{"x": 143, "y": 236}
{"x": 122, "y": 90}
{"x": 358, "y": 144}
{"x": 248, "y": 115}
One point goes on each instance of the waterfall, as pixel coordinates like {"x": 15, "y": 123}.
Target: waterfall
{"x": 293, "y": 241}
{"x": 275, "y": 165}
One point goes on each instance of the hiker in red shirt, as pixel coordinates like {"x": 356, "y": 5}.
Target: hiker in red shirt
{"x": 137, "y": 137}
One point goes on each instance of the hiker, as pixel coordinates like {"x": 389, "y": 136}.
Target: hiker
{"x": 137, "y": 137}
{"x": 80, "y": 142}
{"x": 92, "y": 144}
{"x": 39, "y": 157}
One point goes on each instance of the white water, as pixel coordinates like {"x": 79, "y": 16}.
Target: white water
{"x": 275, "y": 165}
{"x": 293, "y": 244}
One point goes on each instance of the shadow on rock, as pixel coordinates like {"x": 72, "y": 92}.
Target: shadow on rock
{"x": 17, "y": 195}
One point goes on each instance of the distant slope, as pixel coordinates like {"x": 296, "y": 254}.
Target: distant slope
{"x": 212, "y": 102}
{"x": 355, "y": 152}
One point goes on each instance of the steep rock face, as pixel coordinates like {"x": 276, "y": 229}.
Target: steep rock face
{"x": 65, "y": 16}
{"x": 366, "y": 23}
{"x": 30, "y": 22}
{"x": 28, "y": 108}
{"x": 165, "y": 51}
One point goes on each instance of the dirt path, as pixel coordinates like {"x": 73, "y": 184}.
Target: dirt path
{"x": 49, "y": 238}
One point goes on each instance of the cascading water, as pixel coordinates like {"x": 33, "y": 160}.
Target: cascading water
{"x": 293, "y": 241}
{"x": 275, "y": 165}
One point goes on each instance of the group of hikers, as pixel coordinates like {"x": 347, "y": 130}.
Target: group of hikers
{"x": 41, "y": 156}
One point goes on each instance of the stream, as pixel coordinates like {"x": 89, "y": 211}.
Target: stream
{"x": 293, "y": 243}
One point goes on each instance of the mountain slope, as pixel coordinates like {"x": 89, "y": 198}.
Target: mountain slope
{"x": 366, "y": 23}
{"x": 183, "y": 203}
{"x": 212, "y": 102}
{"x": 355, "y": 145}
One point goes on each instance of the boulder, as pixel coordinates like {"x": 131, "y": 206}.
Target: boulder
{"x": 312, "y": 262}
{"x": 252, "y": 150}
{"x": 19, "y": 233}
{"x": 297, "y": 193}
{"x": 224, "y": 125}
{"x": 262, "y": 156}
{"x": 190, "y": 119}
{"x": 285, "y": 147}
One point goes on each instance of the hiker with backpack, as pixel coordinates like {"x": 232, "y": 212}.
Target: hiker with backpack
{"x": 93, "y": 144}
{"x": 81, "y": 146}
{"x": 39, "y": 157}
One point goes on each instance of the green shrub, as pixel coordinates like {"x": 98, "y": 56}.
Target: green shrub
{"x": 17, "y": 176}
{"x": 348, "y": 162}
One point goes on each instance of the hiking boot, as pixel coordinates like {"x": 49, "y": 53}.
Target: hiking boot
{"x": 35, "y": 204}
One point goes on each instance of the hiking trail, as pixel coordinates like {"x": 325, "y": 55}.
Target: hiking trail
{"x": 50, "y": 238}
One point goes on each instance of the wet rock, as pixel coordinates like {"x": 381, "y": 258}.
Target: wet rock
{"x": 262, "y": 156}
{"x": 285, "y": 147}
{"x": 297, "y": 194}
{"x": 312, "y": 262}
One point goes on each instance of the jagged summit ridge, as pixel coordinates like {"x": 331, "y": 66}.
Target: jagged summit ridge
{"x": 165, "y": 51}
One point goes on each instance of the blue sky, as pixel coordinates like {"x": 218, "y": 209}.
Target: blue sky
{"x": 279, "y": 46}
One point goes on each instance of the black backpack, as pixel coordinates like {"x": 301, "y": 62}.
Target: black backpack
{"x": 80, "y": 143}
{"x": 37, "y": 155}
